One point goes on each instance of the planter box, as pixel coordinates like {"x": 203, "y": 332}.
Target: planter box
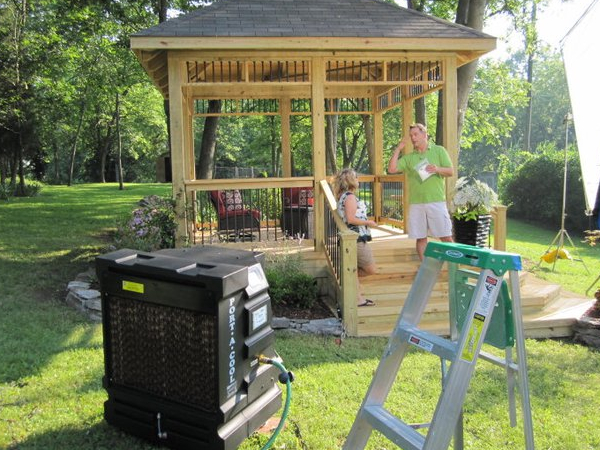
{"x": 472, "y": 232}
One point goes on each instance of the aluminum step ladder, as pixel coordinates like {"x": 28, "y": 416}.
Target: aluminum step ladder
{"x": 462, "y": 353}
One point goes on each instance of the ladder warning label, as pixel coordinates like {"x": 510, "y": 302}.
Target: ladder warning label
{"x": 488, "y": 299}
{"x": 473, "y": 338}
{"x": 421, "y": 343}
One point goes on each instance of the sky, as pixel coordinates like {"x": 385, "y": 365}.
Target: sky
{"x": 554, "y": 22}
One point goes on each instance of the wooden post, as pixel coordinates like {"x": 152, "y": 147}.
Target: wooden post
{"x": 408, "y": 110}
{"x": 349, "y": 283}
{"x": 318, "y": 138}
{"x": 190, "y": 165}
{"x": 499, "y": 216}
{"x": 450, "y": 135}
{"x": 177, "y": 107}
{"x": 377, "y": 158}
{"x": 285, "y": 107}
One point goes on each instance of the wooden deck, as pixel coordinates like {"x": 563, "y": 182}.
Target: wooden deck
{"x": 549, "y": 310}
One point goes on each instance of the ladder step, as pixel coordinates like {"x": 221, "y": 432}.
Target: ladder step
{"x": 444, "y": 348}
{"x": 400, "y": 433}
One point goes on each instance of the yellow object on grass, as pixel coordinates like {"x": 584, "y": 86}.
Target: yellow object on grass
{"x": 552, "y": 256}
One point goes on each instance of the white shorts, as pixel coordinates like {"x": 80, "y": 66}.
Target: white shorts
{"x": 429, "y": 219}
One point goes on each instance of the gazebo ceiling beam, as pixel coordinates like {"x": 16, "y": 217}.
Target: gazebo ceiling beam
{"x": 269, "y": 90}
{"x": 339, "y": 45}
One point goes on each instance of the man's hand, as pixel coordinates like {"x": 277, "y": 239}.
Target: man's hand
{"x": 393, "y": 164}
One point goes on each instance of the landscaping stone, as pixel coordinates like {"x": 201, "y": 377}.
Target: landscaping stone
{"x": 587, "y": 331}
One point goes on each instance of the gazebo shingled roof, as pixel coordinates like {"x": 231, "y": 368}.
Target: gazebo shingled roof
{"x": 304, "y": 25}
{"x": 309, "y": 18}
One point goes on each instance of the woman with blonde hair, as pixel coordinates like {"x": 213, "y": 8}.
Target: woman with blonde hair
{"x": 354, "y": 214}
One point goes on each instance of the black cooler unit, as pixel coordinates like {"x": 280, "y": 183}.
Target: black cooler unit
{"x": 182, "y": 329}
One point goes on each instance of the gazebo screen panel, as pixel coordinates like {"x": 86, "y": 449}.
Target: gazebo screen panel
{"x": 241, "y": 71}
{"x": 414, "y": 71}
{"x": 382, "y": 71}
{"x": 263, "y": 106}
{"x": 300, "y": 106}
{"x": 348, "y": 105}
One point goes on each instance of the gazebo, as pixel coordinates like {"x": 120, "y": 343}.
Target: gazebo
{"x": 290, "y": 57}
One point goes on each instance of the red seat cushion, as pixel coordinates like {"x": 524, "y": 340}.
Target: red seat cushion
{"x": 298, "y": 197}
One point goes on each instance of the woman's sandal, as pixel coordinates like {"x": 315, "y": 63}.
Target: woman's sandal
{"x": 367, "y": 302}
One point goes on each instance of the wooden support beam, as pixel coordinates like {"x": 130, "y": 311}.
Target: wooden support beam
{"x": 318, "y": 138}
{"x": 177, "y": 108}
{"x": 450, "y": 129}
{"x": 285, "y": 108}
{"x": 377, "y": 158}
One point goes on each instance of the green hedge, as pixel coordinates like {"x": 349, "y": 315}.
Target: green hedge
{"x": 534, "y": 191}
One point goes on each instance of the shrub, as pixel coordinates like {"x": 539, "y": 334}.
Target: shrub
{"x": 5, "y": 191}
{"x": 29, "y": 189}
{"x": 534, "y": 193}
{"x": 151, "y": 226}
{"x": 288, "y": 284}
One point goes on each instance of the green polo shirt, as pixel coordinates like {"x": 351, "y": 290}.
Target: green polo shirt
{"x": 433, "y": 188}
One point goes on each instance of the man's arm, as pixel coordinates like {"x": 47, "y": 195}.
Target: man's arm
{"x": 441, "y": 171}
{"x": 444, "y": 168}
{"x": 393, "y": 164}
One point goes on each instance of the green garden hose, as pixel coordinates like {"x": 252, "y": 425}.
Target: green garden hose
{"x": 287, "y": 378}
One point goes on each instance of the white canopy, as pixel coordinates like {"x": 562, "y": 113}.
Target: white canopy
{"x": 582, "y": 66}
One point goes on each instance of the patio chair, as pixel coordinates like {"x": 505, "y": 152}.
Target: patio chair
{"x": 298, "y": 212}
{"x": 235, "y": 221}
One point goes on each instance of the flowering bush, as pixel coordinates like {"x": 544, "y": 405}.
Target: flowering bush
{"x": 471, "y": 198}
{"x": 150, "y": 227}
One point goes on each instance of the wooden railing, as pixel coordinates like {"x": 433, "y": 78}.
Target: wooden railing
{"x": 499, "y": 222}
{"x": 259, "y": 214}
{"x": 340, "y": 251}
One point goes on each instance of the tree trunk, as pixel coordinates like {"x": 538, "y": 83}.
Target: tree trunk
{"x": 209, "y": 142}
{"x": 530, "y": 46}
{"x": 275, "y": 149}
{"x": 56, "y": 168}
{"x": 419, "y": 104}
{"x": 369, "y": 145}
{"x": 119, "y": 148}
{"x": 471, "y": 14}
{"x": 331, "y": 132}
{"x": 76, "y": 138}
{"x": 21, "y": 171}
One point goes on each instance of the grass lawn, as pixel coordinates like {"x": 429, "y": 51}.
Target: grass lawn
{"x": 51, "y": 359}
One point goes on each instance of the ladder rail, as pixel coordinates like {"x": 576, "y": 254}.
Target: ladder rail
{"x": 394, "y": 352}
{"x": 449, "y": 406}
{"x": 523, "y": 378}
{"x": 462, "y": 350}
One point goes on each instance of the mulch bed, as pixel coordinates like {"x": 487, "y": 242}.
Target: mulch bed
{"x": 318, "y": 311}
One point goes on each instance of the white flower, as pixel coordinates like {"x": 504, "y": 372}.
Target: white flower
{"x": 471, "y": 198}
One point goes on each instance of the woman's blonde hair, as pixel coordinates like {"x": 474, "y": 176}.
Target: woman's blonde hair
{"x": 345, "y": 180}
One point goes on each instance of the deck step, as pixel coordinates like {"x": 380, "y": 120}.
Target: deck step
{"x": 548, "y": 311}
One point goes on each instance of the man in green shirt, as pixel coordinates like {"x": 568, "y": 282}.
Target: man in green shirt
{"x": 425, "y": 170}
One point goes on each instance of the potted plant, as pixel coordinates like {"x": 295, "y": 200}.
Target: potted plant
{"x": 470, "y": 206}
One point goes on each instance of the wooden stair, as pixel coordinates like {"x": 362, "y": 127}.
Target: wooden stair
{"x": 548, "y": 310}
